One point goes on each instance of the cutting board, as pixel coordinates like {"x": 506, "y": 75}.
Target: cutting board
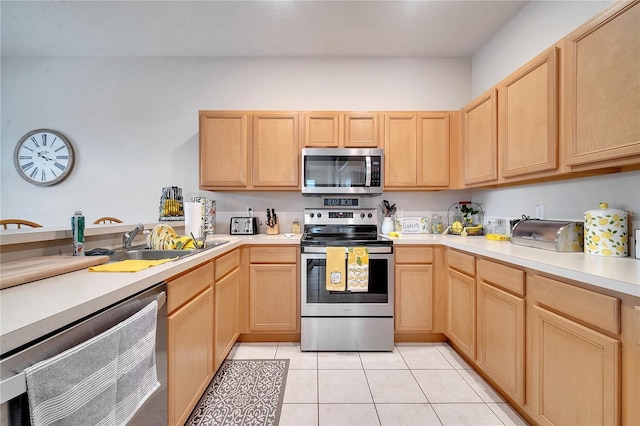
{"x": 27, "y": 270}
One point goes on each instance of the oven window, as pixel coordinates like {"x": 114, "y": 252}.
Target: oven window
{"x": 317, "y": 292}
{"x": 335, "y": 171}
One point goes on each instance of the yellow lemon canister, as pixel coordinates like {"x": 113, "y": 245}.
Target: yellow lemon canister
{"x": 605, "y": 232}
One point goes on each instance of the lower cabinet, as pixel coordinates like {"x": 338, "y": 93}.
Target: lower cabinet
{"x": 274, "y": 304}
{"x": 414, "y": 307}
{"x": 189, "y": 340}
{"x": 501, "y": 326}
{"x": 576, "y": 369}
{"x": 190, "y": 355}
{"x": 227, "y": 300}
{"x": 461, "y": 302}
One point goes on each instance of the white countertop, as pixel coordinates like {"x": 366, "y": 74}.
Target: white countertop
{"x": 32, "y": 310}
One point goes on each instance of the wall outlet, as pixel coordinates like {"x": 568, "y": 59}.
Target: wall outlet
{"x": 540, "y": 211}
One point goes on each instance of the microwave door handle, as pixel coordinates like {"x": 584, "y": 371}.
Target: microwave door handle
{"x": 367, "y": 182}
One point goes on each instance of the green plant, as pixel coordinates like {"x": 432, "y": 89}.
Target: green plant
{"x": 467, "y": 212}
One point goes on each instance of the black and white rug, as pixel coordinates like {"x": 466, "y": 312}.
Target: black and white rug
{"x": 243, "y": 392}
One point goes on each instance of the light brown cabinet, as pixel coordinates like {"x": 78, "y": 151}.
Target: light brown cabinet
{"x": 274, "y": 301}
{"x": 227, "y": 305}
{"x": 276, "y": 151}
{"x": 189, "y": 340}
{"x": 572, "y": 355}
{"x": 528, "y": 140}
{"x": 245, "y": 150}
{"x": 414, "y": 292}
{"x": 501, "y": 326}
{"x": 461, "y": 302}
{"x": 602, "y": 90}
{"x": 225, "y": 141}
{"x": 417, "y": 146}
{"x": 333, "y": 129}
{"x": 480, "y": 139}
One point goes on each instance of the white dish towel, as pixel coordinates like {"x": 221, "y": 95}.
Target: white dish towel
{"x": 102, "y": 381}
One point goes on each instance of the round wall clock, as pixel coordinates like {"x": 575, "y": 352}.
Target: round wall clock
{"x": 44, "y": 157}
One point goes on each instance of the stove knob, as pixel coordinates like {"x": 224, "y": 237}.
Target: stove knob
{"x": 361, "y": 215}
{"x": 370, "y": 215}
{"x": 319, "y": 214}
{"x": 311, "y": 215}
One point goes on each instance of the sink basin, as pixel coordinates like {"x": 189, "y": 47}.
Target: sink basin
{"x": 147, "y": 254}
{"x": 141, "y": 253}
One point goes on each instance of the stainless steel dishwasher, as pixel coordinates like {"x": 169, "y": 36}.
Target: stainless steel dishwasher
{"x": 14, "y": 405}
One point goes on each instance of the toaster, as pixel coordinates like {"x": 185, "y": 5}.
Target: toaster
{"x": 244, "y": 226}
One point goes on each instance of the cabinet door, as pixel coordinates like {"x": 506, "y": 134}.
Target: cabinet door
{"x": 576, "y": 372}
{"x": 322, "y": 129}
{"x": 190, "y": 355}
{"x": 400, "y": 131}
{"x": 226, "y": 316}
{"x": 501, "y": 339}
{"x": 461, "y": 311}
{"x": 273, "y": 298}
{"x": 414, "y": 297}
{"x": 603, "y": 88}
{"x": 224, "y": 149}
{"x": 276, "y": 152}
{"x": 433, "y": 149}
{"x": 480, "y": 139}
{"x": 361, "y": 130}
{"x": 528, "y": 117}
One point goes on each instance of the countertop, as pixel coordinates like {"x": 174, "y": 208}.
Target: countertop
{"x": 32, "y": 310}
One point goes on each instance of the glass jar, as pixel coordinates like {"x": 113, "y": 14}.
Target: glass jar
{"x": 436, "y": 224}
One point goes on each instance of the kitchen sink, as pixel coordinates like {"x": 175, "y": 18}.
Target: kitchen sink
{"x": 143, "y": 253}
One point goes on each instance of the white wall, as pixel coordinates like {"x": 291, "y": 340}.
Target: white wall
{"x": 536, "y": 27}
{"x": 134, "y": 121}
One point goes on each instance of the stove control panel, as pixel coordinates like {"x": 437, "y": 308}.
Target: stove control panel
{"x": 340, "y": 216}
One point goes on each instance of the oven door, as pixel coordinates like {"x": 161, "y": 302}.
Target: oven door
{"x": 316, "y": 301}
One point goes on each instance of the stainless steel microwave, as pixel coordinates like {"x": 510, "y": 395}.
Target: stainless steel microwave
{"x": 342, "y": 171}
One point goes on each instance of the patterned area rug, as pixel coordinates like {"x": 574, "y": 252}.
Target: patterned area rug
{"x": 243, "y": 392}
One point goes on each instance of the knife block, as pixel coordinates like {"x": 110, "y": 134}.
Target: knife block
{"x": 275, "y": 229}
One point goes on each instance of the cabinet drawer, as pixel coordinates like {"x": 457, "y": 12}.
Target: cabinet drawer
{"x": 462, "y": 262}
{"x": 508, "y": 278}
{"x": 226, "y": 263}
{"x": 186, "y": 286}
{"x": 273, "y": 254}
{"x": 590, "y": 307}
{"x": 414, "y": 255}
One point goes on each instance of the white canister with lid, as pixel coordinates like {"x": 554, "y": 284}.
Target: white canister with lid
{"x": 606, "y": 232}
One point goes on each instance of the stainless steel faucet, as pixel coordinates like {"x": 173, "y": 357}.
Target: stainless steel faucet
{"x": 128, "y": 237}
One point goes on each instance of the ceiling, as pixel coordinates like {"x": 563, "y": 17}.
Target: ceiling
{"x": 291, "y": 28}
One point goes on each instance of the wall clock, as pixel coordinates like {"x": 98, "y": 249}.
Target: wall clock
{"x": 44, "y": 157}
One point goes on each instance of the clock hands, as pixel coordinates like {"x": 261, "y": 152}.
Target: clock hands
{"x": 41, "y": 155}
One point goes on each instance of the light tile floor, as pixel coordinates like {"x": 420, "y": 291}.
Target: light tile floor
{"x": 416, "y": 384}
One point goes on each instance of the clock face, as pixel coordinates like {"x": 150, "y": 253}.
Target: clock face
{"x": 44, "y": 157}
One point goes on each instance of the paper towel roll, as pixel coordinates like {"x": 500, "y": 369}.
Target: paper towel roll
{"x": 605, "y": 232}
{"x": 193, "y": 221}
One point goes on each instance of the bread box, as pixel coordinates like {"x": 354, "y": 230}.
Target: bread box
{"x": 555, "y": 235}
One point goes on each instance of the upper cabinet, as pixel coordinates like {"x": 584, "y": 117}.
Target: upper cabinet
{"x": 528, "y": 118}
{"x": 602, "y": 90}
{"x": 244, "y": 150}
{"x": 276, "y": 152}
{"x": 480, "y": 139}
{"x": 225, "y": 138}
{"x": 416, "y": 149}
{"x": 333, "y": 129}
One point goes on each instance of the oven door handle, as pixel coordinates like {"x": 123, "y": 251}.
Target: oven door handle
{"x": 372, "y": 250}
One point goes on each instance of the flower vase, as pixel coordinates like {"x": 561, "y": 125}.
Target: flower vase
{"x": 387, "y": 225}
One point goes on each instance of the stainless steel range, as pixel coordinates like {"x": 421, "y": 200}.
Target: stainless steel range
{"x": 353, "y": 318}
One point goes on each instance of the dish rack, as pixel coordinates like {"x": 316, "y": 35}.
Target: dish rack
{"x": 171, "y": 204}
{"x": 465, "y": 216}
